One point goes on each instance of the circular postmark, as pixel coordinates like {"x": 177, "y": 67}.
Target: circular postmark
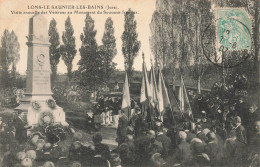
{"x": 227, "y": 43}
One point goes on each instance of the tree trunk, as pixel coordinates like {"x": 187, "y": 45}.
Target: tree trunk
{"x": 198, "y": 82}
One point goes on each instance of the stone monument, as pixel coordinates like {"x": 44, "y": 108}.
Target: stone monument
{"x": 38, "y": 102}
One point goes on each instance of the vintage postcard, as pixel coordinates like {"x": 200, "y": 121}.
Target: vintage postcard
{"x": 119, "y": 83}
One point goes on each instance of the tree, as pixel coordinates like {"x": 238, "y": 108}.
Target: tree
{"x": 68, "y": 50}
{"x": 54, "y": 48}
{"x": 108, "y": 50}
{"x": 199, "y": 17}
{"x": 9, "y": 56}
{"x": 130, "y": 44}
{"x": 90, "y": 64}
{"x": 14, "y": 52}
{"x": 177, "y": 27}
{"x": 168, "y": 40}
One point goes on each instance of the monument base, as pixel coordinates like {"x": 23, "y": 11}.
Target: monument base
{"x": 42, "y": 110}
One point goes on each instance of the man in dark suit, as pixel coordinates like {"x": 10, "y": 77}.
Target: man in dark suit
{"x": 101, "y": 151}
{"x": 20, "y": 128}
{"x": 234, "y": 151}
{"x": 255, "y": 141}
{"x": 138, "y": 122}
{"x": 242, "y": 107}
{"x": 253, "y": 115}
{"x": 166, "y": 142}
{"x": 212, "y": 149}
{"x": 122, "y": 127}
{"x": 240, "y": 130}
{"x": 183, "y": 152}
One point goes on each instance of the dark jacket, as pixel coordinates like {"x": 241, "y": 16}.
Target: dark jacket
{"x": 250, "y": 120}
{"x": 166, "y": 142}
{"x": 200, "y": 160}
{"x": 201, "y": 136}
{"x": 233, "y": 152}
{"x": 183, "y": 152}
{"x": 138, "y": 125}
{"x": 122, "y": 126}
{"x": 20, "y": 130}
{"x": 212, "y": 150}
{"x": 242, "y": 109}
{"x": 241, "y": 134}
{"x": 255, "y": 143}
{"x": 103, "y": 150}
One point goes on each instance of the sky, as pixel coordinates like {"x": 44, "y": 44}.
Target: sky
{"x": 19, "y": 23}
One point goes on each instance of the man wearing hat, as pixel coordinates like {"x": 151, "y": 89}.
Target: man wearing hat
{"x": 199, "y": 158}
{"x": 205, "y": 122}
{"x": 138, "y": 122}
{"x": 252, "y": 116}
{"x": 229, "y": 114}
{"x": 122, "y": 127}
{"x": 165, "y": 140}
{"x": 101, "y": 150}
{"x": 158, "y": 124}
{"x": 242, "y": 108}
{"x": 20, "y": 128}
{"x": 115, "y": 113}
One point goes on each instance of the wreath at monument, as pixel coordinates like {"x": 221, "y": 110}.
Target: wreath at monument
{"x": 36, "y": 105}
{"x": 51, "y": 103}
{"x": 55, "y": 134}
{"x": 46, "y": 118}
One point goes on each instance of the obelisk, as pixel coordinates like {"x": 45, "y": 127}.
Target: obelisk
{"x": 38, "y": 101}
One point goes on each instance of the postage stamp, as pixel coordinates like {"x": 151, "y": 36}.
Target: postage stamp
{"x": 233, "y": 29}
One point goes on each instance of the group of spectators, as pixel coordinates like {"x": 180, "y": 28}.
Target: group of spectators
{"x": 217, "y": 136}
{"x": 109, "y": 109}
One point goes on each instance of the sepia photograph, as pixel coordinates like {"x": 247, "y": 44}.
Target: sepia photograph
{"x": 129, "y": 83}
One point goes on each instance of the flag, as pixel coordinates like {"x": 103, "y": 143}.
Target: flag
{"x": 174, "y": 101}
{"x": 145, "y": 88}
{"x": 153, "y": 87}
{"x": 162, "y": 94}
{"x": 159, "y": 95}
{"x": 126, "y": 103}
{"x": 173, "y": 86}
{"x": 166, "y": 100}
{"x": 183, "y": 98}
{"x": 143, "y": 92}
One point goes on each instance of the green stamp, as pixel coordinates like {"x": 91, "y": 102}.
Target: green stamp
{"x": 233, "y": 29}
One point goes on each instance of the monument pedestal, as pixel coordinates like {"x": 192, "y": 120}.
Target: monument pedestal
{"x": 42, "y": 110}
{"x": 38, "y": 101}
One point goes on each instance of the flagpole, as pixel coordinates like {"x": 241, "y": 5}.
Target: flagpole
{"x": 126, "y": 103}
{"x": 129, "y": 110}
{"x": 186, "y": 95}
{"x": 170, "y": 101}
{"x": 182, "y": 112}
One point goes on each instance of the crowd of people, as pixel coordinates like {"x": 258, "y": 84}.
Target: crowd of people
{"x": 108, "y": 109}
{"x": 214, "y": 136}
{"x": 217, "y": 134}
